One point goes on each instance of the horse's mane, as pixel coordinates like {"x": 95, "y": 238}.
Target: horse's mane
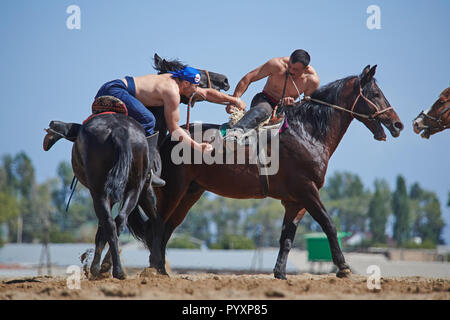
{"x": 315, "y": 114}
{"x": 164, "y": 66}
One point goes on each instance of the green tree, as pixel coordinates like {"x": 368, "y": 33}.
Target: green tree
{"x": 234, "y": 242}
{"x": 379, "y": 210}
{"x": 434, "y": 224}
{"x": 79, "y": 222}
{"x": 401, "y": 209}
{"x": 427, "y": 215}
{"x": 19, "y": 175}
{"x": 9, "y": 206}
{"x": 264, "y": 223}
{"x": 448, "y": 201}
{"x": 346, "y": 201}
{"x": 197, "y": 223}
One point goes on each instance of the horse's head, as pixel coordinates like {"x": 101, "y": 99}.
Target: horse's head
{"x": 208, "y": 79}
{"x": 435, "y": 119}
{"x": 370, "y": 101}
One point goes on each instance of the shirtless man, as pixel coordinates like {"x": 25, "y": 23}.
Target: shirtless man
{"x": 302, "y": 78}
{"x": 156, "y": 90}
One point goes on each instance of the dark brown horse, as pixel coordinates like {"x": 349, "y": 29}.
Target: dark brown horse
{"x": 305, "y": 147}
{"x": 435, "y": 119}
{"x": 110, "y": 158}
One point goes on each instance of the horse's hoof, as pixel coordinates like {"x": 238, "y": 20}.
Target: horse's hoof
{"x": 94, "y": 271}
{"x": 119, "y": 275}
{"x": 344, "y": 273}
{"x": 162, "y": 271}
{"x": 100, "y": 276}
{"x": 279, "y": 275}
{"x": 106, "y": 267}
{"x": 153, "y": 272}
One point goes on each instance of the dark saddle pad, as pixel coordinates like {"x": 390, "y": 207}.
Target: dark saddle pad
{"x": 108, "y": 104}
{"x": 105, "y": 105}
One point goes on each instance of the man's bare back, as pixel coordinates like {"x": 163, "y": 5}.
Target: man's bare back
{"x": 150, "y": 88}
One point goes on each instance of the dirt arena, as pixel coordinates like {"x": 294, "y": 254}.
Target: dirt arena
{"x": 204, "y": 286}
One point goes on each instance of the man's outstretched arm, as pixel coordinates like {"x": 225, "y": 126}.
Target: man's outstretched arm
{"x": 172, "y": 116}
{"x": 215, "y": 96}
{"x": 259, "y": 73}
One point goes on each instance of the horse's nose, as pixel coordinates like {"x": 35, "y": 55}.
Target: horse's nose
{"x": 398, "y": 125}
{"x": 417, "y": 125}
{"x": 226, "y": 85}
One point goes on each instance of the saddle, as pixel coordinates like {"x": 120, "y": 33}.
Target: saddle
{"x": 107, "y": 105}
{"x": 274, "y": 122}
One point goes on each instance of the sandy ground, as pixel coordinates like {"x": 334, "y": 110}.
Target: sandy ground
{"x": 146, "y": 284}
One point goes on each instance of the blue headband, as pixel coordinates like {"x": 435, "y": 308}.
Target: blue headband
{"x": 189, "y": 74}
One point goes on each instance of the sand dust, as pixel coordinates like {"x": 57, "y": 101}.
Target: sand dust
{"x": 146, "y": 284}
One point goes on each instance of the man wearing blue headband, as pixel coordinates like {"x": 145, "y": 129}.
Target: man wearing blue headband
{"x": 157, "y": 90}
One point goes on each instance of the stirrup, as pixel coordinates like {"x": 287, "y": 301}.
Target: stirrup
{"x": 156, "y": 181}
{"x": 234, "y": 134}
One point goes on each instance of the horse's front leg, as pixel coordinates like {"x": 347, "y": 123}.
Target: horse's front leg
{"x": 317, "y": 210}
{"x": 294, "y": 212}
{"x": 156, "y": 258}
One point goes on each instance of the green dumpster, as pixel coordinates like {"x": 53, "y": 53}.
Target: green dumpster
{"x": 318, "y": 246}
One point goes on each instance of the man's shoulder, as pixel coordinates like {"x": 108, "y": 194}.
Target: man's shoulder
{"x": 310, "y": 71}
{"x": 312, "y": 79}
{"x": 170, "y": 90}
{"x": 277, "y": 65}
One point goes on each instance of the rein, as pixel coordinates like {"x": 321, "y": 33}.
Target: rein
{"x": 191, "y": 105}
{"x": 353, "y": 113}
{"x": 437, "y": 120}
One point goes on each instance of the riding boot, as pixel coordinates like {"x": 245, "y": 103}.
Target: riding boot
{"x": 58, "y": 130}
{"x": 155, "y": 161}
{"x": 251, "y": 120}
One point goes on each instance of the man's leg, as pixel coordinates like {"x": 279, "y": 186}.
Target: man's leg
{"x": 140, "y": 113}
{"x": 58, "y": 130}
{"x": 260, "y": 110}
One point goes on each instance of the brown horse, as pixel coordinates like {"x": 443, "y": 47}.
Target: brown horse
{"x": 435, "y": 119}
{"x": 313, "y": 133}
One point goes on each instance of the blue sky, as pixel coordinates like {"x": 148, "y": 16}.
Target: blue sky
{"x": 50, "y": 72}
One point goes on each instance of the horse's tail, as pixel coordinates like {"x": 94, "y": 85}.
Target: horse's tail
{"x": 117, "y": 178}
{"x": 137, "y": 225}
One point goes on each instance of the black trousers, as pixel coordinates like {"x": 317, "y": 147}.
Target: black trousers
{"x": 261, "y": 108}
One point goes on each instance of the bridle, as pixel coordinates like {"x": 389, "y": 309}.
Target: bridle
{"x": 372, "y": 116}
{"x": 191, "y": 102}
{"x": 437, "y": 120}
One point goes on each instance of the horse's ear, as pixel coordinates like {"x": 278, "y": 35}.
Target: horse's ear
{"x": 367, "y": 76}
{"x": 157, "y": 62}
{"x": 364, "y": 72}
{"x": 157, "y": 59}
